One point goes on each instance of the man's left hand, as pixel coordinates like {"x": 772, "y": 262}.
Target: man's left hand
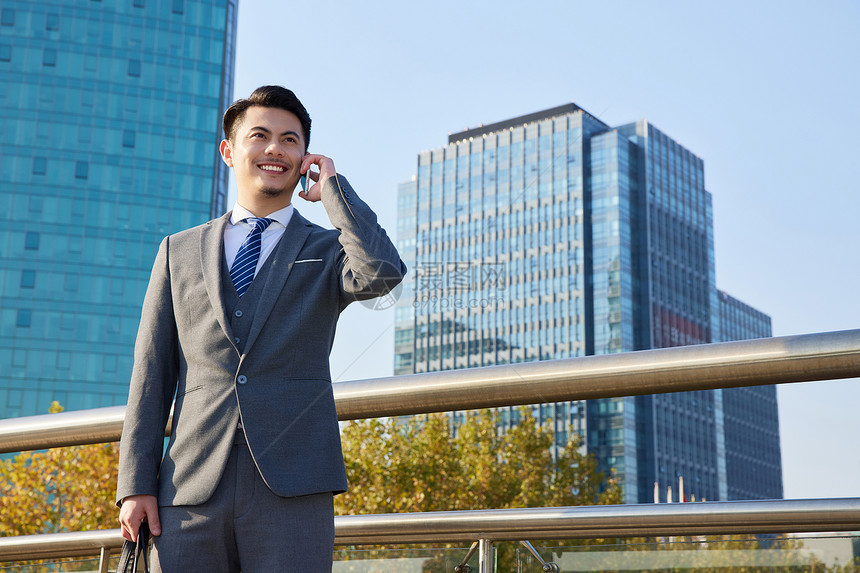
{"x": 326, "y": 170}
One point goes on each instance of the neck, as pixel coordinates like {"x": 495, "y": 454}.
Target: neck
{"x": 262, "y": 206}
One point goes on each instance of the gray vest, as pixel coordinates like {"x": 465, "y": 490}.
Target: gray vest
{"x": 240, "y": 310}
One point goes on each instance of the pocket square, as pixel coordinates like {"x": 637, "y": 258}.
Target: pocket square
{"x": 308, "y": 261}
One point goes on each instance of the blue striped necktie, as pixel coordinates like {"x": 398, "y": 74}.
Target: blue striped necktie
{"x": 245, "y": 265}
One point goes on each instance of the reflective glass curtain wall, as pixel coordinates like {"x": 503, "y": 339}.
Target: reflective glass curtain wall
{"x": 493, "y": 226}
{"x": 753, "y": 455}
{"x": 616, "y": 239}
{"x": 684, "y": 430}
{"x": 109, "y": 112}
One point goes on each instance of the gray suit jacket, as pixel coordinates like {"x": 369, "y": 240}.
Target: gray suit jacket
{"x": 279, "y": 387}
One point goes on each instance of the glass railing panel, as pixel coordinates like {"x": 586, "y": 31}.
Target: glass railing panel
{"x": 80, "y": 565}
{"x": 795, "y": 553}
{"x": 431, "y": 560}
{"x": 424, "y": 560}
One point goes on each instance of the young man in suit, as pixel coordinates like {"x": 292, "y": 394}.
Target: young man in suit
{"x": 235, "y": 334}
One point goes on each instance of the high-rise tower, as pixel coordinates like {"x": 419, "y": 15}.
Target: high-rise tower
{"x": 110, "y": 113}
{"x": 554, "y": 235}
{"x": 751, "y": 417}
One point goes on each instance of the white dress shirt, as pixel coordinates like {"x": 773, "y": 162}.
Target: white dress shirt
{"x": 238, "y": 229}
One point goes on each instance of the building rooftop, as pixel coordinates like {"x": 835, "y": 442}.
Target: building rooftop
{"x": 521, "y": 120}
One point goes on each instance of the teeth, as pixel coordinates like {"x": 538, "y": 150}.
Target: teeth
{"x": 272, "y": 168}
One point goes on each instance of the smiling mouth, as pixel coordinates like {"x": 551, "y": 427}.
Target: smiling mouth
{"x": 271, "y": 168}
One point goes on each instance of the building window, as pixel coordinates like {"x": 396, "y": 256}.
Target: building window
{"x": 178, "y": 6}
{"x": 134, "y": 68}
{"x": 64, "y": 360}
{"x": 35, "y": 205}
{"x": 5, "y": 53}
{"x": 28, "y": 279}
{"x": 71, "y": 283}
{"x": 25, "y": 316}
{"x": 52, "y": 22}
{"x": 138, "y": 3}
{"x": 19, "y": 360}
{"x": 40, "y": 165}
{"x": 8, "y": 17}
{"x": 82, "y": 169}
{"x": 128, "y": 138}
{"x": 49, "y": 58}
{"x": 67, "y": 321}
{"x": 31, "y": 241}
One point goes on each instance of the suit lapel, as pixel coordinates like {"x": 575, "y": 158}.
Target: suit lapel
{"x": 285, "y": 255}
{"x": 212, "y": 261}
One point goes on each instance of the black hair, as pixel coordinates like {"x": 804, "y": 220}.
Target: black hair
{"x": 267, "y": 96}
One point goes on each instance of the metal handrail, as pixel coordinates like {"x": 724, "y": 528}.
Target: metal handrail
{"x": 786, "y": 359}
{"x": 704, "y": 518}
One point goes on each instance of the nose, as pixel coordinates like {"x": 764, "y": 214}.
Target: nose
{"x": 274, "y": 148}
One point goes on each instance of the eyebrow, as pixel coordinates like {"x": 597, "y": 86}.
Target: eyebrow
{"x": 269, "y": 131}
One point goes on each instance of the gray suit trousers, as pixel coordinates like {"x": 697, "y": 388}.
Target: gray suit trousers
{"x": 245, "y": 527}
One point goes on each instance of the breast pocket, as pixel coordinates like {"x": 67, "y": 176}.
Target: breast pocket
{"x": 307, "y": 274}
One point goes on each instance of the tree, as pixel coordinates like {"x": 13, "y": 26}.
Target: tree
{"x": 425, "y": 464}
{"x": 62, "y": 489}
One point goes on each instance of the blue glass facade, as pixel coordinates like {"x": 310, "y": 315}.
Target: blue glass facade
{"x": 555, "y": 235}
{"x": 110, "y": 114}
{"x": 753, "y": 457}
{"x": 683, "y": 432}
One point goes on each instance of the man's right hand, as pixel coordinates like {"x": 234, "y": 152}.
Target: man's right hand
{"x": 132, "y": 513}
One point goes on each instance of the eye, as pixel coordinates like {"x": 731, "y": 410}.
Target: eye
{"x": 257, "y": 134}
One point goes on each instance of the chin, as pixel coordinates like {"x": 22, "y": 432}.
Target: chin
{"x": 272, "y": 191}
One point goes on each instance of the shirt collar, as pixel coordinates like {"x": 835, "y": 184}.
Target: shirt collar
{"x": 281, "y": 216}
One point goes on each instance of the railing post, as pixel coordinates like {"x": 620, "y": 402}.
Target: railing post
{"x": 104, "y": 560}
{"x": 485, "y": 556}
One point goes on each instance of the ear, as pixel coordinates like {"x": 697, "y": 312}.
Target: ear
{"x": 227, "y": 153}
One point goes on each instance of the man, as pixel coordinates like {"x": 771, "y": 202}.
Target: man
{"x": 235, "y": 333}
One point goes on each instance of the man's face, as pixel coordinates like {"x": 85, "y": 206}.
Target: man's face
{"x": 266, "y": 153}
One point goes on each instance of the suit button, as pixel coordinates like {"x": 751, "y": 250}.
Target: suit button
{"x": 237, "y": 340}
{"x": 238, "y": 313}
{"x": 242, "y": 379}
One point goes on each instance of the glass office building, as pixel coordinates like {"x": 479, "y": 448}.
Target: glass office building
{"x": 110, "y": 116}
{"x": 753, "y": 458}
{"x": 554, "y": 235}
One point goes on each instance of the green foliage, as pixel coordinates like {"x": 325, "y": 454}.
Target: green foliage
{"x": 62, "y": 489}
{"x": 425, "y": 465}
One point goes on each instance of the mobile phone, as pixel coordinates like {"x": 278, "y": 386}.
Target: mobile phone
{"x": 306, "y": 181}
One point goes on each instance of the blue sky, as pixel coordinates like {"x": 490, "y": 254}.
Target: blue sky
{"x": 767, "y": 93}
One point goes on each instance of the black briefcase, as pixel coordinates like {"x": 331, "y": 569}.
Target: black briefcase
{"x": 135, "y": 554}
